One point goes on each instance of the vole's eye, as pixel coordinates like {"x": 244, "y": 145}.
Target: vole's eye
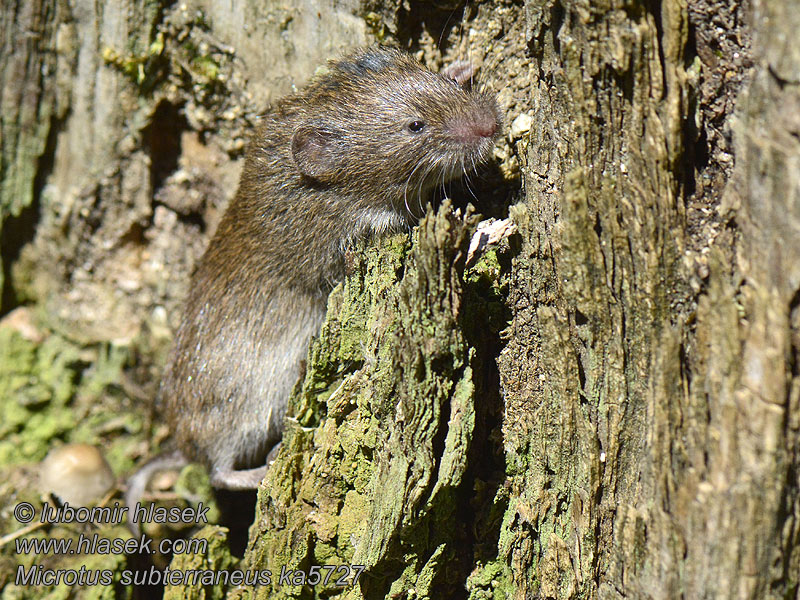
{"x": 416, "y": 126}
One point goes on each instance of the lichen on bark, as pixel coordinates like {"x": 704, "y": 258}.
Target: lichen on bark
{"x": 369, "y": 465}
{"x": 637, "y": 436}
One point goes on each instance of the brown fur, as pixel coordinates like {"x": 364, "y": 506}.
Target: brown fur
{"x": 327, "y": 166}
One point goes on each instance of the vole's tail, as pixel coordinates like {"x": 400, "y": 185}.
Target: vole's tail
{"x": 139, "y": 480}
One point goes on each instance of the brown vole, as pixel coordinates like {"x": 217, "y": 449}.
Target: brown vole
{"x": 343, "y": 159}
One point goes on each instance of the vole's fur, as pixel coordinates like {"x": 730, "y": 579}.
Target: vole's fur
{"x": 349, "y": 156}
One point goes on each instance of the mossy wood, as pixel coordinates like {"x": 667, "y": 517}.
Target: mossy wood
{"x": 603, "y": 407}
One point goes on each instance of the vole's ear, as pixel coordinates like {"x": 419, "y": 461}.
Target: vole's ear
{"x": 461, "y": 71}
{"x": 315, "y": 149}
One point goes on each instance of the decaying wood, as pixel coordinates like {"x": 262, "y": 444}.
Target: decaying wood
{"x": 601, "y": 403}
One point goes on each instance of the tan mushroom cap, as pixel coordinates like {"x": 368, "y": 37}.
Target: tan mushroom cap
{"x": 77, "y": 474}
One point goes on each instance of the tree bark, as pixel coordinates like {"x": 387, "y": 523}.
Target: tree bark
{"x": 602, "y": 406}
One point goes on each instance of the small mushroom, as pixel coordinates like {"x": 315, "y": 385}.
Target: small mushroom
{"x": 77, "y": 474}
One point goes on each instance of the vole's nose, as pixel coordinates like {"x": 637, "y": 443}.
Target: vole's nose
{"x": 486, "y": 127}
{"x": 471, "y": 129}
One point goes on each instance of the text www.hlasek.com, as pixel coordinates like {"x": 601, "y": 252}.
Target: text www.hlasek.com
{"x": 98, "y": 545}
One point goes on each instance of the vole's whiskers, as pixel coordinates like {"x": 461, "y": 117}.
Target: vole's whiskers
{"x": 441, "y": 170}
{"x": 446, "y": 174}
{"x": 405, "y": 189}
{"x": 467, "y": 182}
{"x": 431, "y": 169}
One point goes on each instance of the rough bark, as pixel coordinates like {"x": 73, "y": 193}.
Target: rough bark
{"x": 654, "y": 415}
{"x": 603, "y": 406}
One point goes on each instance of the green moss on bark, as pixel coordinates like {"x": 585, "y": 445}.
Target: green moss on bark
{"x": 370, "y": 467}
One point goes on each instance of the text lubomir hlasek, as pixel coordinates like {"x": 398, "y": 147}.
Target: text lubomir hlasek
{"x": 142, "y": 513}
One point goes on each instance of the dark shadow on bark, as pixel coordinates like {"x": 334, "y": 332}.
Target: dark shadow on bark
{"x": 21, "y": 229}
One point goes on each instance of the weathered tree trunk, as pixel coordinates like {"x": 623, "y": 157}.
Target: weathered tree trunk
{"x": 658, "y": 317}
{"x": 602, "y": 406}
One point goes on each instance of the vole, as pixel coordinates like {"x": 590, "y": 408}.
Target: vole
{"x": 346, "y": 157}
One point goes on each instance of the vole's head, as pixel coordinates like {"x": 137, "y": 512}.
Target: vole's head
{"x": 379, "y": 123}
